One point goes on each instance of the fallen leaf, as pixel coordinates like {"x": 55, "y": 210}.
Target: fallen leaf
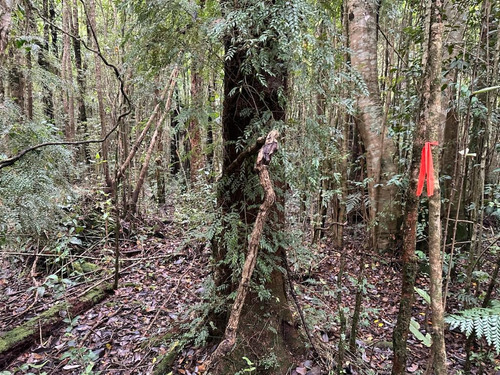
{"x": 71, "y": 367}
{"x": 413, "y": 368}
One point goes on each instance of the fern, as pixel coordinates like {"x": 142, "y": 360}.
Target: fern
{"x": 485, "y": 322}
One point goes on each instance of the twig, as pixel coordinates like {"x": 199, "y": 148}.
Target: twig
{"x": 296, "y": 301}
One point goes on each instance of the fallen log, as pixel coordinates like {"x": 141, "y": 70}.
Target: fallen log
{"x": 13, "y": 342}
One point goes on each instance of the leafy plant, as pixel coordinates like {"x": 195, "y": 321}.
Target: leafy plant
{"x": 415, "y": 329}
{"x": 483, "y": 321}
{"x": 250, "y": 367}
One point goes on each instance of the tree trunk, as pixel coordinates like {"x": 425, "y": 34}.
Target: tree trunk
{"x": 196, "y": 152}
{"x": 67, "y": 74}
{"x": 409, "y": 259}
{"x": 380, "y": 148}
{"x": 48, "y": 105}
{"x": 92, "y": 28}
{"x": 6, "y": 7}
{"x": 80, "y": 78}
{"x": 242, "y": 104}
{"x": 433, "y": 122}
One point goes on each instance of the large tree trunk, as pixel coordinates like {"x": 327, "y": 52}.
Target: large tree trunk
{"x": 380, "y": 149}
{"x": 242, "y": 104}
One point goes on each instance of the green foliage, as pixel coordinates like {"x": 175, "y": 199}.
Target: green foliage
{"x": 34, "y": 192}
{"x": 422, "y": 293}
{"x": 415, "y": 329}
{"x": 249, "y": 369}
{"x": 484, "y": 322}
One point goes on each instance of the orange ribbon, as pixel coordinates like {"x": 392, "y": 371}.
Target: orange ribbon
{"x": 426, "y": 168}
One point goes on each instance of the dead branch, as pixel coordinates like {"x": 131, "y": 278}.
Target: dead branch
{"x": 263, "y": 159}
{"x": 296, "y": 301}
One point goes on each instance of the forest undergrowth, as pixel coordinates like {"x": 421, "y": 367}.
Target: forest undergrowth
{"x": 154, "y": 314}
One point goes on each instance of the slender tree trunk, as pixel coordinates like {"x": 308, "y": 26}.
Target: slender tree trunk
{"x": 48, "y": 105}
{"x": 92, "y": 27}
{"x": 380, "y": 148}
{"x": 6, "y": 7}
{"x": 80, "y": 78}
{"x": 53, "y": 27}
{"x": 409, "y": 259}
{"x": 149, "y": 152}
{"x": 194, "y": 130}
{"x": 67, "y": 74}
{"x": 168, "y": 92}
{"x": 433, "y": 75}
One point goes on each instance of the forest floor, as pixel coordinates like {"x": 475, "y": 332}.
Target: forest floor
{"x": 162, "y": 283}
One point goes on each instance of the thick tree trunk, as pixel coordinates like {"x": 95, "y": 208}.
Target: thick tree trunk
{"x": 242, "y": 104}
{"x": 380, "y": 149}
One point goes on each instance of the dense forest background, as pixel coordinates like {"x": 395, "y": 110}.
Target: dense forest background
{"x": 229, "y": 187}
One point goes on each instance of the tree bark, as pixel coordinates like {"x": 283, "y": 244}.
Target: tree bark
{"x": 196, "y": 152}
{"x": 92, "y": 26}
{"x": 6, "y": 7}
{"x": 263, "y": 159}
{"x": 380, "y": 148}
{"x": 434, "y": 110}
{"x": 82, "y": 126}
{"x": 409, "y": 259}
{"x": 67, "y": 74}
{"x": 243, "y": 104}
{"x": 48, "y": 105}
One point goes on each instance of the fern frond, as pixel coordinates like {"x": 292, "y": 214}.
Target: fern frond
{"x": 485, "y": 322}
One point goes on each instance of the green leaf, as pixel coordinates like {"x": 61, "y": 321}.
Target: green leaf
{"x": 485, "y": 322}
{"x": 415, "y": 329}
{"x": 422, "y": 293}
{"x": 486, "y": 89}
